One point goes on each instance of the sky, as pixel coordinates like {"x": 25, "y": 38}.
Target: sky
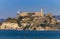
{"x": 9, "y": 8}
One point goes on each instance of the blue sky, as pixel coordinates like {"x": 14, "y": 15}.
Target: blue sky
{"x": 9, "y": 8}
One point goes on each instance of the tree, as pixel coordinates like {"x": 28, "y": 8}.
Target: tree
{"x": 27, "y": 26}
{"x": 18, "y": 20}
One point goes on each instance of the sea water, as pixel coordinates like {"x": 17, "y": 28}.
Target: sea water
{"x": 26, "y": 34}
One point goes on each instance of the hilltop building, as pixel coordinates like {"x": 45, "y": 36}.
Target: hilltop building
{"x": 31, "y": 13}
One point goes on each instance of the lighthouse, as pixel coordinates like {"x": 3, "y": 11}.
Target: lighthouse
{"x": 41, "y": 12}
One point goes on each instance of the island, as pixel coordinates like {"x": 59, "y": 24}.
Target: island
{"x": 31, "y": 21}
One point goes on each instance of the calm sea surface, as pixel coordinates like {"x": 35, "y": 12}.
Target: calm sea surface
{"x": 14, "y": 34}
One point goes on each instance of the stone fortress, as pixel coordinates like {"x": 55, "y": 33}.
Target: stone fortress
{"x": 30, "y": 21}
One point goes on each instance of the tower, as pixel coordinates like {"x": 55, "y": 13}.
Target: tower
{"x": 42, "y": 14}
{"x": 41, "y": 10}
